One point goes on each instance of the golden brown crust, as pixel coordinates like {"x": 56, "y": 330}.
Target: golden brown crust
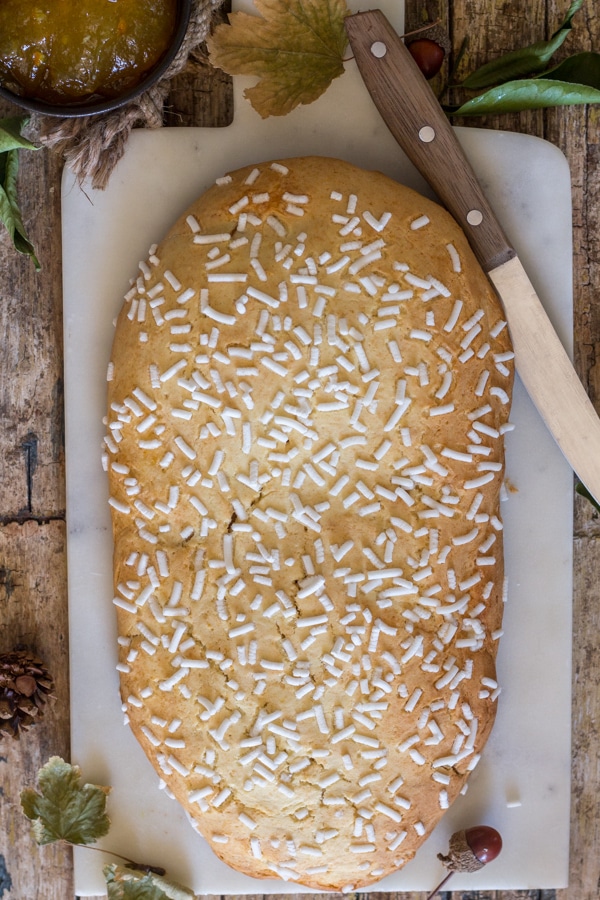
{"x": 305, "y": 455}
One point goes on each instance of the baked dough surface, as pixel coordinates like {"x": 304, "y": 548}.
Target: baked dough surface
{"x": 309, "y": 388}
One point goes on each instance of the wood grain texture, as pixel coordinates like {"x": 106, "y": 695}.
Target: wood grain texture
{"x": 33, "y": 612}
{"x": 32, "y": 530}
{"x": 392, "y": 895}
{"x": 585, "y": 821}
{"x": 201, "y": 95}
{"x": 33, "y": 596}
{"x": 195, "y": 97}
{"x": 31, "y": 398}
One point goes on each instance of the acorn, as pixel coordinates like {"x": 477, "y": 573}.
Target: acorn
{"x": 470, "y": 850}
{"x": 428, "y": 47}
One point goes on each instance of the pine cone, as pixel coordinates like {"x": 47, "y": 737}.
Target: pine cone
{"x": 25, "y": 687}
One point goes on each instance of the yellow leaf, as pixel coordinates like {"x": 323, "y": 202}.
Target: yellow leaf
{"x": 295, "y": 47}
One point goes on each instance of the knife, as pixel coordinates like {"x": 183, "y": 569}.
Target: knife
{"x": 416, "y": 120}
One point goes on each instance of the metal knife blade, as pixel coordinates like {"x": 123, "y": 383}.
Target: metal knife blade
{"x": 417, "y": 121}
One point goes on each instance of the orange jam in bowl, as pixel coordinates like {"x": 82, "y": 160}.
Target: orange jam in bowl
{"x": 87, "y": 53}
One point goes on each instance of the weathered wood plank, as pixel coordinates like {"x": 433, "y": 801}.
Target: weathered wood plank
{"x": 201, "y": 96}
{"x": 413, "y": 895}
{"x": 585, "y": 789}
{"x": 33, "y": 612}
{"x": 31, "y": 378}
{"x": 480, "y": 32}
{"x": 575, "y": 130}
{"x": 194, "y": 99}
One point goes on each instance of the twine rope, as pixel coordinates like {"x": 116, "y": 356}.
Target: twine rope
{"x": 91, "y": 146}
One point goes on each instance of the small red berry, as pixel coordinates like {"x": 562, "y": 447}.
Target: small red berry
{"x": 428, "y": 55}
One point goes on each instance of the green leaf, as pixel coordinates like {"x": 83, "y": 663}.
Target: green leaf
{"x": 295, "y": 47}
{"x": 11, "y": 141}
{"x": 123, "y": 884}
{"x": 527, "y": 61}
{"x": 528, "y": 93}
{"x": 10, "y": 134}
{"x": 10, "y": 214}
{"x": 65, "y": 809}
{"x": 581, "y": 68}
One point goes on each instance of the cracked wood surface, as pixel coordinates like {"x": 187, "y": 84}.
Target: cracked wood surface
{"x": 33, "y": 600}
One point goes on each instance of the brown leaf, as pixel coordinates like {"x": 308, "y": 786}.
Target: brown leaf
{"x": 295, "y": 47}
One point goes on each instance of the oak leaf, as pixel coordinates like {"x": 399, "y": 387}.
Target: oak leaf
{"x": 295, "y": 47}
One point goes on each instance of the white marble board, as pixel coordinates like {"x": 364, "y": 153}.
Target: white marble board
{"x": 521, "y": 785}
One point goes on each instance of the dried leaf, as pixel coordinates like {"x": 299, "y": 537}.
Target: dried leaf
{"x": 295, "y": 47}
{"x": 65, "y": 809}
{"x": 125, "y": 884}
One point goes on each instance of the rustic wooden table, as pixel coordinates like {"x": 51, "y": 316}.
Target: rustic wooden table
{"x": 33, "y": 593}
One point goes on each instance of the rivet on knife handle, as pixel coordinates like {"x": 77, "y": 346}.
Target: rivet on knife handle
{"x": 389, "y": 71}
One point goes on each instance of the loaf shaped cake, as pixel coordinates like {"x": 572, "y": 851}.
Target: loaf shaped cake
{"x": 307, "y": 396}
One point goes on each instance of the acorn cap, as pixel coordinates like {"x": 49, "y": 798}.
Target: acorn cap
{"x": 460, "y": 856}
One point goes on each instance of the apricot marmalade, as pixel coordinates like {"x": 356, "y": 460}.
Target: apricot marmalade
{"x": 69, "y": 51}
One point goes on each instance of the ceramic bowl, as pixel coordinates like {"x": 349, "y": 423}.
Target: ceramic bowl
{"x": 104, "y": 105}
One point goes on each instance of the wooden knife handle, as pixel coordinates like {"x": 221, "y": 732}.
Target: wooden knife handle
{"x": 412, "y": 113}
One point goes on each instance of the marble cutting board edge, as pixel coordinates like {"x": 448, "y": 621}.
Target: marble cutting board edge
{"x": 523, "y": 778}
